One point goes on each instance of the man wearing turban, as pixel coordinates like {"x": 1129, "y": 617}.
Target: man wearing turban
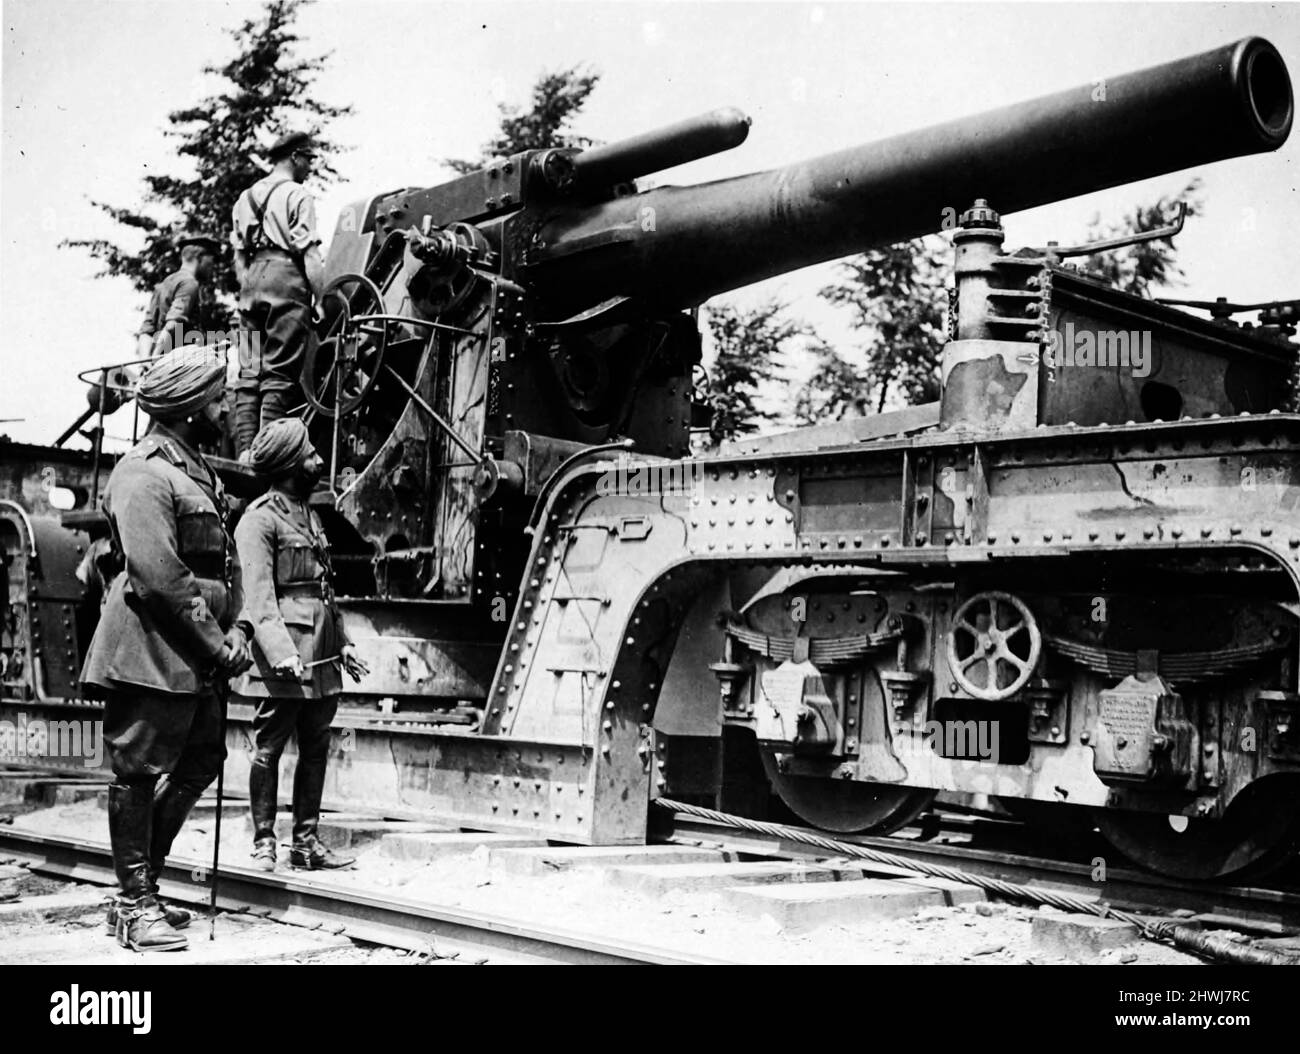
{"x": 299, "y": 641}
{"x": 167, "y": 634}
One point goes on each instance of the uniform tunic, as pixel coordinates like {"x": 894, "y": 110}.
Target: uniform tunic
{"x": 288, "y": 599}
{"x": 165, "y": 619}
{"x": 163, "y": 624}
{"x": 174, "y": 309}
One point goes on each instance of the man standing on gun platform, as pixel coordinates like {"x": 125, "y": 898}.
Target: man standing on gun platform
{"x": 281, "y": 272}
{"x": 299, "y": 641}
{"x": 167, "y": 637}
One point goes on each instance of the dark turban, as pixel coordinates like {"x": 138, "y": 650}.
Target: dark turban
{"x": 181, "y": 382}
{"x": 279, "y": 447}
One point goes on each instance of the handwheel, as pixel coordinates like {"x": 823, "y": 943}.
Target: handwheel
{"x": 353, "y": 352}
{"x": 993, "y": 646}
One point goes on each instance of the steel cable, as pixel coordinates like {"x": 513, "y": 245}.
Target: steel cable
{"x": 1183, "y": 936}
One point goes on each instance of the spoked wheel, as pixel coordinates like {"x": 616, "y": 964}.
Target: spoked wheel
{"x": 347, "y": 358}
{"x": 845, "y": 806}
{"x": 993, "y": 646}
{"x": 1259, "y": 832}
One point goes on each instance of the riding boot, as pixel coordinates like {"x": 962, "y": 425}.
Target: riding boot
{"x": 171, "y": 806}
{"x": 308, "y": 787}
{"x": 263, "y": 785}
{"x": 140, "y": 924}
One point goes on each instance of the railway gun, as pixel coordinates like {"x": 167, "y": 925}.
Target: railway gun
{"x": 1071, "y": 584}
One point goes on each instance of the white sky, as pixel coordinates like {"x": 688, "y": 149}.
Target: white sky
{"x": 87, "y": 85}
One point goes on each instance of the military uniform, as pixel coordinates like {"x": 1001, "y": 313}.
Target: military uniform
{"x": 274, "y": 225}
{"x": 153, "y": 657}
{"x": 289, "y": 602}
{"x": 174, "y": 309}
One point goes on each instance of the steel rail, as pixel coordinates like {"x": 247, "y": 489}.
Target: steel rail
{"x": 397, "y": 922}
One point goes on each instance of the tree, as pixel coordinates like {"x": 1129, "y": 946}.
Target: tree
{"x": 1139, "y": 269}
{"x": 557, "y": 98}
{"x": 749, "y": 346}
{"x": 267, "y": 92}
{"x": 897, "y": 297}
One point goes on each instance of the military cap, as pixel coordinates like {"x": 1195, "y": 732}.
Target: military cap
{"x": 281, "y": 446}
{"x": 288, "y": 144}
{"x": 199, "y": 238}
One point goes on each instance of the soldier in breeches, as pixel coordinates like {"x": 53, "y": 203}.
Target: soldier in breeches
{"x": 167, "y": 637}
{"x": 300, "y": 642}
{"x": 281, "y": 272}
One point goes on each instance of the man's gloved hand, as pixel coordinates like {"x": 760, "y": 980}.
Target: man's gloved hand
{"x": 353, "y": 664}
{"x": 235, "y": 656}
{"x": 290, "y": 667}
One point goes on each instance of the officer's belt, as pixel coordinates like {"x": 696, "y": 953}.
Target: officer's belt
{"x": 318, "y": 588}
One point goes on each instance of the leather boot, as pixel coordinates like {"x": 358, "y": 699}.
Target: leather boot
{"x": 308, "y": 787}
{"x": 171, "y": 807}
{"x": 312, "y": 856}
{"x": 140, "y": 924}
{"x": 263, "y": 786}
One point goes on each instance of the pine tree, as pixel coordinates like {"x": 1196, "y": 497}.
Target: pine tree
{"x": 267, "y": 92}
{"x": 557, "y": 98}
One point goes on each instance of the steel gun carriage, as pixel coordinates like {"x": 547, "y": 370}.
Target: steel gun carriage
{"x": 1070, "y": 585}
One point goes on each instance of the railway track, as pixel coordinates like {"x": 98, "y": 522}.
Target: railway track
{"x": 694, "y": 857}
{"x": 315, "y": 903}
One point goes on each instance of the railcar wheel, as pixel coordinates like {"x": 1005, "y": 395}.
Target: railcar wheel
{"x": 1259, "y": 832}
{"x": 847, "y": 807}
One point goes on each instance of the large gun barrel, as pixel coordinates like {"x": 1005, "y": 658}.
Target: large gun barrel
{"x": 677, "y": 246}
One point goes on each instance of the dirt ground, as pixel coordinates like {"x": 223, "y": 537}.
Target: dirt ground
{"x": 698, "y": 921}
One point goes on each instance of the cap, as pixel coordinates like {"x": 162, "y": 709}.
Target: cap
{"x": 199, "y": 238}
{"x": 289, "y": 143}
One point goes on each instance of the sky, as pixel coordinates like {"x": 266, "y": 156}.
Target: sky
{"x": 86, "y": 85}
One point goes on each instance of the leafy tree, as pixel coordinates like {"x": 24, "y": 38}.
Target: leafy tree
{"x": 897, "y": 298}
{"x": 557, "y": 98}
{"x": 749, "y": 347}
{"x": 266, "y": 92}
{"x": 1139, "y": 269}
{"x": 837, "y": 388}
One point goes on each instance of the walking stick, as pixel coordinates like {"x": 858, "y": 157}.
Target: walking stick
{"x": 223, "y": 691}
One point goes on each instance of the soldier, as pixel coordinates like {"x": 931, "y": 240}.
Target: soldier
{"x": 175, "y": 304}
{"x": 280, "y": 271}
{"x": 299, "y": 641}
{"x": 166, "y": 637}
